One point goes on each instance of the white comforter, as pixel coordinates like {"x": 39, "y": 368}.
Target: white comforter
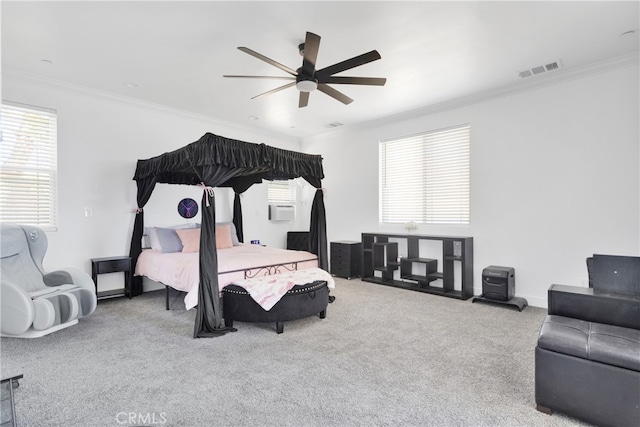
{"x": 181, "y": 270}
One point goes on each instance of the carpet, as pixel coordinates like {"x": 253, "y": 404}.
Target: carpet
{"x": 382, "y": 357}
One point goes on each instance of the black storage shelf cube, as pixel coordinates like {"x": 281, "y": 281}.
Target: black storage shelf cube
{"x": 385, "y": 259}
{"x": 431, "y": 269}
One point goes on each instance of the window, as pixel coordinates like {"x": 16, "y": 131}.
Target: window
{"x": 425, "y": 178}
{"x": 281, "y": 192}
{"x": 28, "y": 165}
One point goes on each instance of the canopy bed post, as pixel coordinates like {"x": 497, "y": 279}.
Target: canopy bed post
{"x": 240, "y": 184}
{"x": 208, "y": 321}
{"x": 145, "y": 188}
{"x": 237, "y": 217}
{"x": 209, "y": 312}
{"x": 135, "y": 250}
{"x": 318, "y": 229}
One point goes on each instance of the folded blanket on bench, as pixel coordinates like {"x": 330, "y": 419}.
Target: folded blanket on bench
{"x": 268, "y": 290}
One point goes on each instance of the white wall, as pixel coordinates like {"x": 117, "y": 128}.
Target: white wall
{"x": 100, "y": 139}
{"x": 554, "y": 175}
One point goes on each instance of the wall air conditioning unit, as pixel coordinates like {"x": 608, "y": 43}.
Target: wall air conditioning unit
{"x": 282, "y": 212}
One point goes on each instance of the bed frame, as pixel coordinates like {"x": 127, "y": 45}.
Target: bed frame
{"x": 249, "y": 273}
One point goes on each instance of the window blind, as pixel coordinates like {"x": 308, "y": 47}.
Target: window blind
{"x": 280, "y": 192}
{"x": 425, "y": 178}
{"x": 28, "y": 165}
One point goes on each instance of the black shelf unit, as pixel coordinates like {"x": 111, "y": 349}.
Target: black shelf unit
{"x": 379, "y": 254}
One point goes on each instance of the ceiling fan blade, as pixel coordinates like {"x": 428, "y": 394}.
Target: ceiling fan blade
{"x": 335, "y": 94}
{"x": 268, "y": 60}
{"x": 372, "y": 81}
{"x": 278, "y": 89}
{"x": 260, "y": 77}
{"x": 311, "y": 46}
{"x": 356, "y": 61}
{"x": 304, "y": 99}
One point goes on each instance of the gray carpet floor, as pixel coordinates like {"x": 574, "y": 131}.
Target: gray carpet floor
{"x": 382, "y": 357}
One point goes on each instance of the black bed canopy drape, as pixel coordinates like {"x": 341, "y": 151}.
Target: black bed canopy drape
{"x": 216, "y": 161}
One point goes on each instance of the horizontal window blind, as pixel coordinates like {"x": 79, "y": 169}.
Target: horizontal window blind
{"x": 425, "y": 178}
{"x": 28, "y": 166}
{"x": 280, "y": 192}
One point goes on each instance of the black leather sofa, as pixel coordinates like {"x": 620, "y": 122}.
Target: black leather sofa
{"x": 587, "y": 360}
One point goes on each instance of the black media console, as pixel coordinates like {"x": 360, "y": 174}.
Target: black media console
{"x": 379, "y": 254}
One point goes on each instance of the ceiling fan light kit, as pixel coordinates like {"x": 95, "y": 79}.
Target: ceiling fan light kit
{"x": 307, "y": 78}
{"x": 305, "y": 84}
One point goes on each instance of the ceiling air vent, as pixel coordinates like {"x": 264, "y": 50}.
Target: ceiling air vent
{"x": 539, "y": 69}
{"x": 334, "y": 125}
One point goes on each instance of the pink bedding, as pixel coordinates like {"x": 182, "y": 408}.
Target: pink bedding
{"x": 181, "y": 270}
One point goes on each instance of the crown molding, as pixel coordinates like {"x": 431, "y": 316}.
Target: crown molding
{"x": 532, "y": 83}
{"x": 36, "y": 79}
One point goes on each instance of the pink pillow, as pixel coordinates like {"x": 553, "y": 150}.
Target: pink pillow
{"x": 190, "y": 239}
{"x": 223, "y": 237}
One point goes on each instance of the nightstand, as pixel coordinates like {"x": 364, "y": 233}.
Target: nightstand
{"x": 346, "y": 259}
{"x": 112, "y": 265}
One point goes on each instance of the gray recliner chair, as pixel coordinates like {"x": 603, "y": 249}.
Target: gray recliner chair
{"x": 34, "y": 303}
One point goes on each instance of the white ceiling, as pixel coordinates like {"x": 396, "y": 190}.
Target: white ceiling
{"x": 175, "y": 53}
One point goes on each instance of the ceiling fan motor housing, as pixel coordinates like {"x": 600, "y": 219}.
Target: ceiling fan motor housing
{"x": 305, "y": 83}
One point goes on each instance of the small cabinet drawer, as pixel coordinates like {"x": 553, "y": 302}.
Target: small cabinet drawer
{"x": 335, "y": 265}
{"x": 112, "y": 266}
{"x": 340, "y": 256}
{"x": 341, "y": 269}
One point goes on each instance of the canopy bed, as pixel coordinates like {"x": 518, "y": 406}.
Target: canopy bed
{"x": 216, "y": 161}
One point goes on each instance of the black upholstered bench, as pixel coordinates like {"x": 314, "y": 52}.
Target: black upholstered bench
{"x": 589, "y": 370}
{"x": 299, "y": 302}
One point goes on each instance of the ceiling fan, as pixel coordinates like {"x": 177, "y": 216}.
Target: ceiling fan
{"x": 307, "y": 78}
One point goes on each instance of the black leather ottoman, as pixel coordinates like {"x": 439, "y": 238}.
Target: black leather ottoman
{"x": 299, "y": 302}
{"x": 589, "y": 370}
